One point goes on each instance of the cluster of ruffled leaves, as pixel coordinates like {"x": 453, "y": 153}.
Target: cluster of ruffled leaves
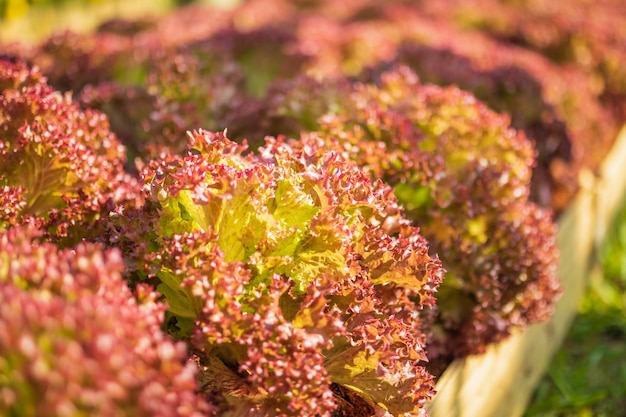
{"x": 294, "y": 275}
{"x": 74, "y": 340}
{"x": 61, "y": 168}
{"x": 463, "y": 176}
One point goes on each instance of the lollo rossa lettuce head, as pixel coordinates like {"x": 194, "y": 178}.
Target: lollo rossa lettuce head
{"x": 75, "y": 341}
{"x": 61, "y": 168}
{"x": 463, "y": 176}
{"x": 296, "y": 277}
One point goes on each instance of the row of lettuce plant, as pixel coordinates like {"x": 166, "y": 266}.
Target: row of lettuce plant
{"x": 359, "y": 232}
{"x": 294, "y": 279}
{"x": 293, "y": 275}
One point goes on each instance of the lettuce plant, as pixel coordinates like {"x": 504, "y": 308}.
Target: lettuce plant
{"x": 463, "y": 176}
{"x": 75, "y": 341}
{"x": 297, "y": 279}
{"x": 61, "y": 167}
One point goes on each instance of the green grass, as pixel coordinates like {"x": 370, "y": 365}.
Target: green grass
{"x": 588, "y": 374}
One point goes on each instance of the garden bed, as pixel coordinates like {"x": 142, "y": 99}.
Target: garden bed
{"x": 501, "y": 381}
{"x": 248, "y": 76}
